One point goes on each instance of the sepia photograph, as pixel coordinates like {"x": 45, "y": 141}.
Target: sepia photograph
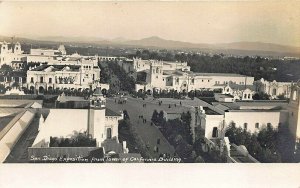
{"x": 150, "y": 82}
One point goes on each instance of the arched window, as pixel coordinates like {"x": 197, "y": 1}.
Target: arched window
{"x": 257, "y": 125}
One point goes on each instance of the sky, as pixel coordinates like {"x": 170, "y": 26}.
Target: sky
{"x": 197, "y": 22}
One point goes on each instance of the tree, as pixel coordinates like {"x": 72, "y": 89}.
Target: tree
{"x": 186, "y": 119}
{"x": 126, "y": 116}
{"x": 2, "y": 89}
{"x": 155, "y": 116}
{"x": 261, "y": 96}
{"x": 160, "y": 118}
{"x": 6, "y": 68}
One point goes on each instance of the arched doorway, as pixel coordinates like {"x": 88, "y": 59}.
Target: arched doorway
{"x": 184, "y": 86}
{"x": 50, "y": 90}
{"x": 41, "y": 90}
{"x": 104, "y": 91}
{"x": 31, "y": 89}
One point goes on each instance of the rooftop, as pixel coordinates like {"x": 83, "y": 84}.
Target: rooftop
{"x": 109, "y": 112}
{"x": 54, "y": 68}
{"x": 210, "y": 111}
{"x": 5, "y": 120}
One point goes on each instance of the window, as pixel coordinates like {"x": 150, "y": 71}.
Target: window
{"x": 208, "y": 80}
{"x": 31, "y": 80}
{"x": 245, "y": 96}
{"x": 108, "y": 133}
{"x": 50, "y": 80}
{"x": 248, "y": 96}
{"x": 202, "y": 80}
{"x": 245, "y": 125}
{"x": 257, "y": 125}
{"x": 215, "y": 132}
{"x": 163, "y": 79}
{"x": 41, "y": 79}
{"x": 269, "y": 125}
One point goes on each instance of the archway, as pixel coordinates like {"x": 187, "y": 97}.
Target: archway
{"x": 31, "y": 89}
{"x": 149, "y": 92}
{"x": 41, "y": 90}
{"x": 184, "y": 86}
{"x": 104, "y": 91}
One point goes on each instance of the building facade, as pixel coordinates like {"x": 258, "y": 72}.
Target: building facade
{"x": 183, "y": 80}
{"x": 97, "y": 121}
{"x": 11, "y": 53}
{"x": 47, "y": 77}
{"x": 274, "y": 88}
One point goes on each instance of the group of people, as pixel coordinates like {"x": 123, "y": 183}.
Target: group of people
{"x": 144, "y": 119}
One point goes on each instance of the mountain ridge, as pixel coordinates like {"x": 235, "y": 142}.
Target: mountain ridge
{"x": 158, "y": 42}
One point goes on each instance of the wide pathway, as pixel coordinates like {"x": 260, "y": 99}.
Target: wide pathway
{"x": 148, "y": 133}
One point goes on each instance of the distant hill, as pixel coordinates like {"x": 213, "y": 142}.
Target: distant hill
{"x": 248, "y": 47}
{"x": 235, "y": 48}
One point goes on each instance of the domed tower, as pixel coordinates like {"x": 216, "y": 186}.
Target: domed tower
{"x": 294, "y": 113}
{"x": 96, "y": 116}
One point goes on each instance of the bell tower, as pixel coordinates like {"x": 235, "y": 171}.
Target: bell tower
{"x": 96, "y": 116}
{"x": 156, "y": 73}
{"x": 17, "y": 48}
{"x": 293, "y": 109}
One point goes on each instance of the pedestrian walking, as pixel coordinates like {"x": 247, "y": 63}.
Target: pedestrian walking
{"x": 158, "y": 141}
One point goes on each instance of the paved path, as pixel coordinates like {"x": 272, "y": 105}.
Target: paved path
{"x": 148, "y": 133}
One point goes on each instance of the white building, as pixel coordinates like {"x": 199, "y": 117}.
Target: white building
{"x": 250, "y": 115}
{"x": 80, "y": 76}
{"x": 137, "y": 65}
{"x": 97, "y": 121}
{"x": 274, "y": 88}
{"x": 239, "y": 92}
{"x": 11, "y": 53}
{"x": 158, "y": 77}
{"x": 41, "y": 55}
